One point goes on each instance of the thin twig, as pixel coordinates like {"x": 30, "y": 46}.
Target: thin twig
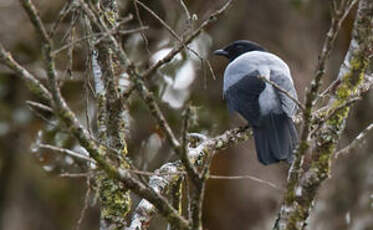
{"x": 35, "y": 107}
{"x": 65, "y": 151}
{"x": 329, "y": 89}
{"x": 138, "y": 16}
{"x": 40, "y": 106}
{"x": 61, "y": 15}
{"x": 359, "y": 139}
{"x": 212, "y": 176}
{"x": 180, "y": 46}
{"x": 178, "y": 38}
{"x": 168, "y": 28}
{"x": 279, "y": 88}
{"x": 32, "y": 82}
{"x": 70, "y": 52}
{"x": 40, "y": 115}
{"x": 334, "y": 111}
{"x": 123, "y": 32}
{"x": 74, "y": 175}
{"x": 212, "y": 18}
{"x": 246, "y": 177}
{"x": 185, "y": 8}
{"x": 98, "y": 36}
{"x": 86, "y": 205}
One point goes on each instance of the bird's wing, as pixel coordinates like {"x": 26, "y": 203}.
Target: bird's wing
{"x": 286, "y": 83}
{"x": 242, "y": 97}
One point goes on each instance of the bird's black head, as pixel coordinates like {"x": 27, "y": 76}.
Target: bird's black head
{"x": 235, "y": 49}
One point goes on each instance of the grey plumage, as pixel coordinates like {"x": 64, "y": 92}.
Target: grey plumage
{"x": 265, "y": 108}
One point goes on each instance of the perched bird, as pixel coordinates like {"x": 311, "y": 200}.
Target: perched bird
{"x": 267, "y": 109}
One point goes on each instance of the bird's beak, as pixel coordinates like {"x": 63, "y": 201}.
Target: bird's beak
{"x": 221, "y": 52}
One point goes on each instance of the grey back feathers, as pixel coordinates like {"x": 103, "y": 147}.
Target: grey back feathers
{"x": 265, "y": 108}
{"x": 257, "y": 63}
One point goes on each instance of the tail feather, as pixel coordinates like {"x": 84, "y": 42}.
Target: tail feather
{"x": 275, "y": 138}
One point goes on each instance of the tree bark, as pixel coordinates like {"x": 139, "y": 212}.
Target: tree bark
{"x": 299, "y": 199}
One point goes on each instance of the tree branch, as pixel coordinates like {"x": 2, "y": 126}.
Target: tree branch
{"x": 97, "y": 152}
{"x": 33, "y": 84}
{"x": 180, "y": 46}
{"x": 340, "y": 14}
{"x": 279, "y": 88}
{"x": 359, "y": 139}
{"x": 65, "y": 151}
{"x": 300, "y": 196}
{"x": 145, "y": 211}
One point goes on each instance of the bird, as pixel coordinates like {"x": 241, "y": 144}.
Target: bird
{"x": 267, "y": 110}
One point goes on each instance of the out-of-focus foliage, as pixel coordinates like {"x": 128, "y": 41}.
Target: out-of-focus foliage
{"x": 32, "y": 196}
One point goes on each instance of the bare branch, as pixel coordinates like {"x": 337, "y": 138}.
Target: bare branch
{"x": 212, "y": 18}
{"x": 145, "y": 211}
{"x": 34, "y": 85}
{"x": 359, "y": 139}
{"x": 36, "y": 21}
{"x": 296, "y": 167}
{"x": 65, "y": 151}
{"x": 40, "y": 106}
{"x": 175, "y": 35}
{"x": 187, "y": 13}
{"x": 138, "y": 16}
{"x": 246, "y": 177}
{"x": 340, "y": 14}
{"x": 66, "y": 9}
{"x": 97, "y": 153}
{"x": 168, "y": 28}
{"x": 331, "y": 112}
{"x": 74, "y": 175}
{"x": 302, "y": 186}
{"x": 279, "y": 88}
{"x": 86, "y": 204}
{"x": 178, "y": 38}
{"x": 98, "y": 37}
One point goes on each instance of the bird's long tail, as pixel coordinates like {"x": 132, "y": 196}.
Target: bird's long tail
{"x": 275, "y": 138}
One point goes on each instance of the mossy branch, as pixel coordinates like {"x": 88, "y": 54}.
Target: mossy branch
{"x": 300, "y": 196}
{"x": 64, "y": 113}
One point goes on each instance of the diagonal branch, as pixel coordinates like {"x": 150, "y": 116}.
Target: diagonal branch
{"x": 356, "y": 142}
{"x": 279, "y": 88}
{"x": 34, "y": 85}
{"x": 97, "y": 152}
{"x": 180, "y": 46}
{"x": 175, "y": 35}
{"x": 303, "y": 146}
{"x": 65, "y": 151}
{"x": 34, "y": 17}
{"x": 146, "y": 95}
{"x": 144, "y": 212}
{"x": 300, "y": 196}
{"x": 333, "y": 111}
{"x": 246, "y": 177}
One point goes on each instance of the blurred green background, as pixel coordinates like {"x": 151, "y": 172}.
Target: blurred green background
{"x": 34, "y": 197}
